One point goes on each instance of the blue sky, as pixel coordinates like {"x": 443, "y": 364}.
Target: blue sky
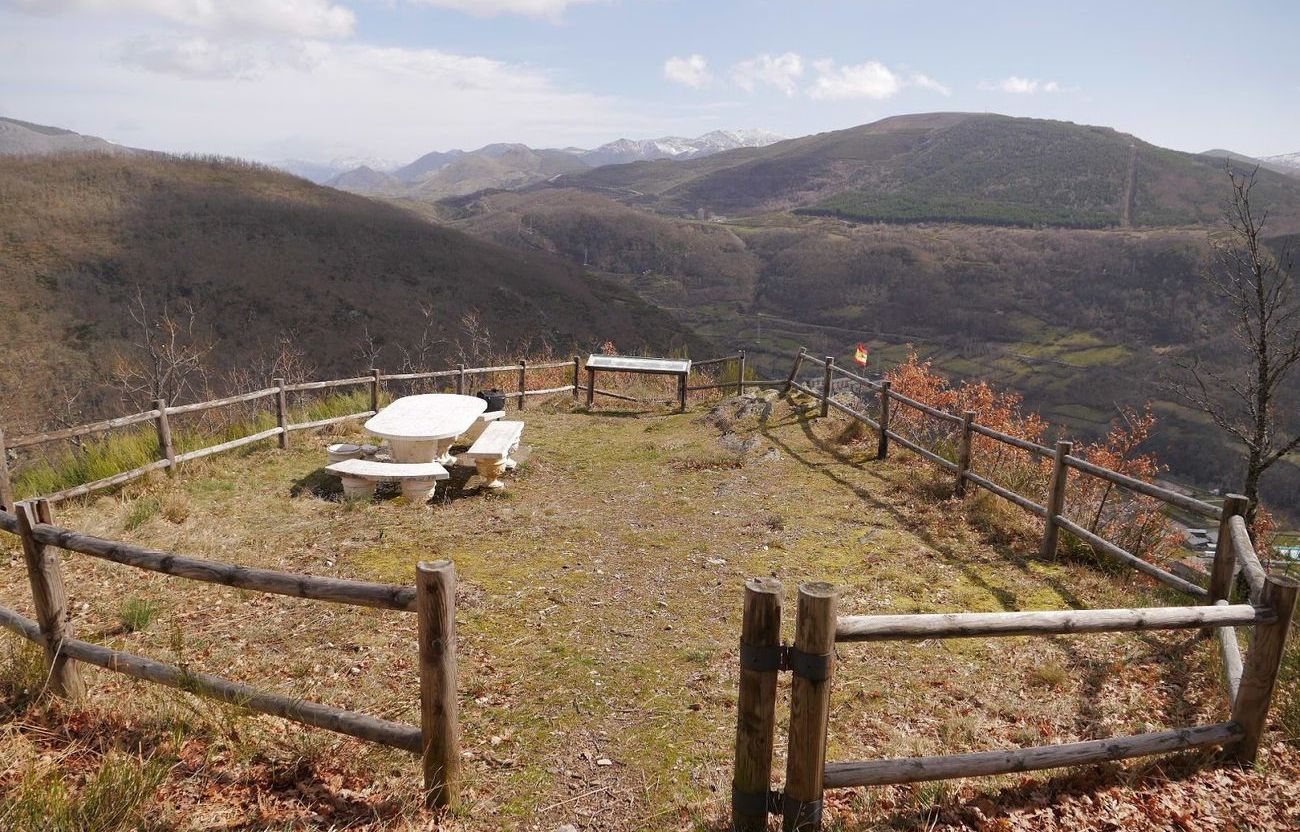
{"x": 390, "y": 79}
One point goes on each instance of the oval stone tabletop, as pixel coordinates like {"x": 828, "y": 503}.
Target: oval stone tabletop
{"x": 428, "y": 416}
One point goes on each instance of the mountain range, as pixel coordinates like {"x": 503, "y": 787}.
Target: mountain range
{"x": 452, "y": 173}
{"x": 1056, "y": 259}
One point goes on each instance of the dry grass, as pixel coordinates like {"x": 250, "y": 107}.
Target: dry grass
{"x": 599, "y": 612}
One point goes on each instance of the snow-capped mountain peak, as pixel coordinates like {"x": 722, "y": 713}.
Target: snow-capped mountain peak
{"x": 676, "y": 147}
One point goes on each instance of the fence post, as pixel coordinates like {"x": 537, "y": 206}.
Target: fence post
{"x": 282, "y": 412}
{"x": 882, "y": 449}
{"x": 523, "y": 380}
{"x": 591, "y": 385}
{"x": 45, "y": 575}
{"x": 6, "y": 483}
{"x": 683, "y": 381}
{"x": 826, "y": 386}
{"x": 577, "y": 369}
{"x": 460, "y": 379}
{"x": 374, "y": 389}
{"x": 1258, "y": 678}
{"x": 435, "y": 607}
{"x": 794, "y": 371}
{"x": 166, "y": 450}
{"x": 760, "y": 643}
{"x": 813, "y": 662}
{"x": 1056, "y": 499}
{"x": 740, "y": 375}
{"x": 963, "y": 453}
{"x": 1225, "y": 556}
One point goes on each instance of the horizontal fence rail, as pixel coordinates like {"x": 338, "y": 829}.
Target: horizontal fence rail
{"x": 1046, "y": 622}
{"x": 338, "y": 720}
{"x": 1165, "y": 577}
{"x": 242, "y": 397}
{"x": 81, "y": 430}
{"x": 1172, "y": 497}
{"x": 984, "y": 763}
{"x": 337, "y": 590}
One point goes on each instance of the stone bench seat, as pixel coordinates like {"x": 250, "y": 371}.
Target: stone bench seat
{"x": 490, "y": 453}
{"x": 418, "y": 479}
{"x": 480, "y": 424}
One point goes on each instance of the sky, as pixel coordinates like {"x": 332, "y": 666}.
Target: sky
{"x": 389, "y": 80}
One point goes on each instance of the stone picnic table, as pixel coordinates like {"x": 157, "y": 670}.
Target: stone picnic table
{"x": 680, "y": 367}
{"x": 422, "y": 428}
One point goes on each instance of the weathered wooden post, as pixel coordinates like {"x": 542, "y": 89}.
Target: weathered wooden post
{"x": 882, "y": 448}
{"x": 282, "y": 412}
{"x": 45, "y": 575}
{"x": 1225, "y": 556}
{"x": 760, "y": 662}
{"x": 963, "y": 452}
{"x": 6, "y": 482}
{"x": 374, "y": 389}
{"x": 683, "y": 380}
{"x": 577, "y": 370}
{"x": 460, "y": 379}
{"x": 794, "y": 371}
{"x": 740, "y": 374}
{"x": 523, "y": 381}
{"x": 435, "y": 607}
{"x": 166, "y": 450}
{"x": 591, "y": 384}
{"x": 826, "y": 385}
{"x": 812, "y": 662}
{"x": 1056, "y": 498}
{"x": 1259, "y": 677}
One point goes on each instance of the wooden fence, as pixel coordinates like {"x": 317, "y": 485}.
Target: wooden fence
{"x": 461, "y": 379}
{"x": 818, "y": 628}
{"x": 432, "y": 599}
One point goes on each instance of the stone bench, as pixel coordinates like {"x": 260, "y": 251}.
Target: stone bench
{"x": 480, "y": 424}
{"x": 490, "y": 453}
{"x": 418, "y": 479}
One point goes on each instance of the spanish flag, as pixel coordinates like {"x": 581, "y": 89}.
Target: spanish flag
{"x": 860, "y": 355}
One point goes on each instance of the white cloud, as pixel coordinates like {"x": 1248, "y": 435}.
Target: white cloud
{"x": 180, "y": 91}
{"x": 925, "y": 82}
{"x": 691, "y": 71}
{"x": 1017, "y": 85}
{"x": 869, "y": 80}
{"x": 780, "y": 71}
{"x": 487, "y": 8}
{"x": 301, "y": 18}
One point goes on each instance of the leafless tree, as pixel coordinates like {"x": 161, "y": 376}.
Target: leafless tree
{"x": 419, "y": 356}
{"x": 367, "y": 349}
{"x": 1257, "y": 287}
{"x": 167, "y": 356}
{"x": 477, "y": 344}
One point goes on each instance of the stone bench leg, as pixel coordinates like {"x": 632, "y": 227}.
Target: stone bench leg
{"x": 418, "y": 491}
{"x": 356, "y": 488}
{"x": 491, "y": 470}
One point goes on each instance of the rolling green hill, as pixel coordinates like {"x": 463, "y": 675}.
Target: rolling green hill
{"x": 260, "y": 254}
{"x": 948, "y": 167}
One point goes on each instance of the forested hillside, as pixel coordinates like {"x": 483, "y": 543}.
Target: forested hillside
{"x": 948, "y": 167}
{"x": 1082, "y": 322}
{"x": 259, "y": 255}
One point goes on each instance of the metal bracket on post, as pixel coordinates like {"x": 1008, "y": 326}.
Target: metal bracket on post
{"x": 785, "y": 657}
